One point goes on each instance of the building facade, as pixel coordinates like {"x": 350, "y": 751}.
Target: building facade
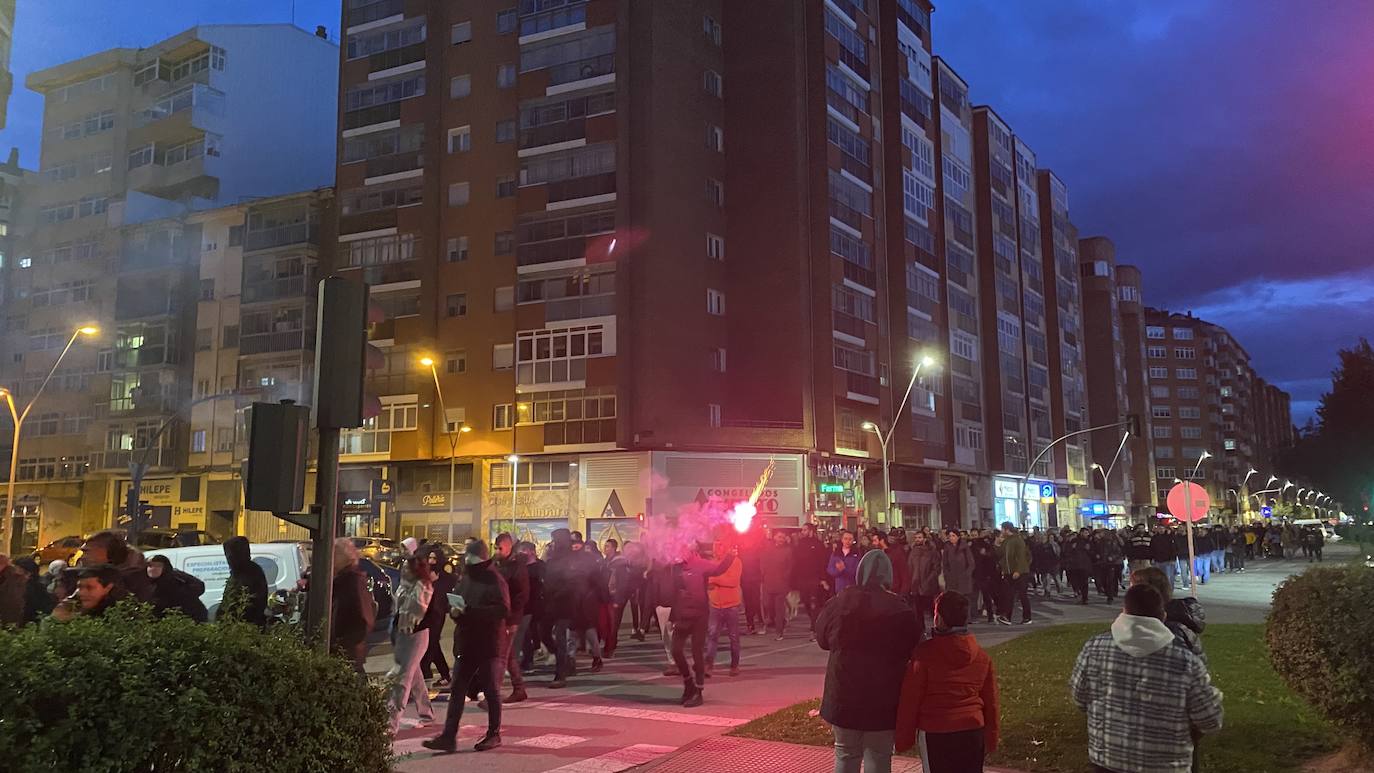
{"x": 6, "y": 44}
{"x": 146, "y": 156}
{"x": 1137, "y": 458}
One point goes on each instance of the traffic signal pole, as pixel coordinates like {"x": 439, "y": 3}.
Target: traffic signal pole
{"x": 320, "y": 599}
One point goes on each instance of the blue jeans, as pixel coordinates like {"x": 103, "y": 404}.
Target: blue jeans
{"x": 873, "y": 749}
{"x": 1170, "y": 569}
{"x": 729, "y": 618}
{"x": 1218, "y": 560}
{"x": 1202, "y": 566}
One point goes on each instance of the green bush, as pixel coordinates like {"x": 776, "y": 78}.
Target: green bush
{"x": 130, "y": 693}
{"x": 1319, "y": 633}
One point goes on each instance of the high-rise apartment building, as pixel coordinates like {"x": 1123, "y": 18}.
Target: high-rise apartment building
{"x": 6, "y": 43}
{"x": 1137, "y": 458}
{"x": 142, "y": 150}
{"x": 1273, "y": 422}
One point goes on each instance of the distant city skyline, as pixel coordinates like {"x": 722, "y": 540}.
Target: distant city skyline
{"x": 1243, "y": 198}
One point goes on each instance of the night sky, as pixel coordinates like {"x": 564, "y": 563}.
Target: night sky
{"x": 1226, "y": 147}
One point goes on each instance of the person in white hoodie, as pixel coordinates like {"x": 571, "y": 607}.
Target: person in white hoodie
{"x": 411, "y": 640}
{"x": 1144, "y": 692}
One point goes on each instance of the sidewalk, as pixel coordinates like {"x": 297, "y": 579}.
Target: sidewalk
{"x": 725, "y": 754}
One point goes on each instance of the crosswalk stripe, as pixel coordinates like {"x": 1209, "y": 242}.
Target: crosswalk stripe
{"x": 616, "y": 761}
{"x": 678, "y": 717}
{"x": 551, "y": 741}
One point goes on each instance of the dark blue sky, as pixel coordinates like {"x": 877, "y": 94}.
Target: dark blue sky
{"x": 1226, "y": 147}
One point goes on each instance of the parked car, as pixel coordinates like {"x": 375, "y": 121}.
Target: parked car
{"x": 283, "y": 564}
{"x": 63, "y": 549}
{"x": 379, "y": 549}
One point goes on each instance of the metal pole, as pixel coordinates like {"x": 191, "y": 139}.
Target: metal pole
{"x": 320, "y": 601}
{"x": 8, "y": 520}
{"x": 887, "y": 486}
{"x": 452, "y": 447}
{"x": 1025, "y": 478}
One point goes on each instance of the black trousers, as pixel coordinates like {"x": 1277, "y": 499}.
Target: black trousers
{"x": 776, "y": 606}
{"x": 479, "y": 674}
{"x": 813, "y": 597}
{"x": 988, "y": 591}
{"x": 1108, "y": 579}
{"x": 1014, "y": 589}
{"x": 960, "y": 752}
{"x": 753, "y": 603}
{"x": 434, "y": 653}
{"x": 1078, "y": 580}
{"x": 695, "y": 630}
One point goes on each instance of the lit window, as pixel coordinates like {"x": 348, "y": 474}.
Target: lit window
{"x": 715, "y": 302}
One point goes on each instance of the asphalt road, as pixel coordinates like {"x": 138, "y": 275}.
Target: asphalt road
{"x": 628, "y": 715}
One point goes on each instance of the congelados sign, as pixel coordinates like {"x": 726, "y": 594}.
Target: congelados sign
{"x": 768, "y": 504}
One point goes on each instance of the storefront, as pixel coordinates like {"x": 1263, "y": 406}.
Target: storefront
{"x": 839, "y": 499}
{"x": 428, "y": 516}
{"x": 1008, "y": 507}
{"x": 177, "y": 503}
{"x": 705, "y": 480}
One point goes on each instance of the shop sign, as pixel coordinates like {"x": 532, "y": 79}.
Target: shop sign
{"x": 434, "y": 500}
{"x": 831, "y": 488}
{"x": 839, "y": 470}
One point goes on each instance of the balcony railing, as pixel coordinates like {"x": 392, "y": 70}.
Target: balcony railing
{"x": 551, "y": 252}
{"x": 582, "y": 187}
{"x": 856, "y": 167}
{"x": 368, "y": 116}
{"x": 848, "y": 215}
{"x": 849, "y": 325}
{"x": 400, "y": 162}
{"x": 581, "y": 70}
{"x": 120, "y": 460}
{"x": 579, "y": 308}
{"x": 860, "y": 275}
{"x": 284, "y": 341}
{"x": 571, "y": 13}
{"x": 151, "y": 304}
{"x": 861, "y": 384}
{"x": 276, "y": 289}
{"x": 386, "y": 273}
{"x": 362, "y": 14}
{"x": 842, "y": 106}
{"x": 550, "y": 134}
{"x": 281, "y": 236}
{"x": 396, "y": 57}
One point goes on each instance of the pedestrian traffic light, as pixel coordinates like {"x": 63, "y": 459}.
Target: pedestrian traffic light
{"x": 145, "y": 515}
{"x": 343, "y": 355}
{"x": 1133, "y": 424}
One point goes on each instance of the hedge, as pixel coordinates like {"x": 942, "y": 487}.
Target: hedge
{"x": 131, "y": 693}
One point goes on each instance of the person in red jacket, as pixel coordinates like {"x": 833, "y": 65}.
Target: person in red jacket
{"x": 950, "y": 693}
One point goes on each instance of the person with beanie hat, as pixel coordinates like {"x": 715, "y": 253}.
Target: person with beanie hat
{"x": 870, "y": 634}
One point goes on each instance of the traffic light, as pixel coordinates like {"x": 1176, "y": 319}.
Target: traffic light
{"x": 274, "y": 475}
{"x": 145, "y": 515}
{"x": 343, "y": 355}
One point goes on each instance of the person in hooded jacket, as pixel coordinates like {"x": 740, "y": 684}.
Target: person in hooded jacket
{"x": 809, "y": 572}
{"x": 436, "y": 614}
{"x": 353, "y": 611}
{"x": 245, "y": 594}
{"x": 1145, "y": 694}
{"x": 175, "y": 590}
{"x": 893, "y": 543}
{"x": 571, "y": 601}
{"x": 513, "y": 569}
{"x": 870, "y": 634}
{"x": 775, "y": 567}
{"x": 950, "y": 694}
{"x": 957, "y": 564}
{"x": 481, "y": 621}
{"x": 690, "y": 617}
{"x": 414, "y": 595}
{"x": 844, "y": 562}
{"x": 538, "y": 628}
{"x": 1107, "y": 566}
{"x": 12, "y": 588}
{"x": 109, "y": 547}
{"x": 1079, "y": 556}
{"x": 924, "y": 569}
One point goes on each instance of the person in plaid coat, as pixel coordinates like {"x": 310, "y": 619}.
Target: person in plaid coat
{"x": 1144, "y": 692}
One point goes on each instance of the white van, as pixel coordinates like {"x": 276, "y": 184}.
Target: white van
{"x": 283, "y": 563}
{"x": 1327, "y": 529}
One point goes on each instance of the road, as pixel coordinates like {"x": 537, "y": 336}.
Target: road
{"x": 628, "y": 715}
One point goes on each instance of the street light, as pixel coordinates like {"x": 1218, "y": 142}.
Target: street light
{"x": 1106, "y": 493}
{"x": 428, "y": 362}
{"x": 1271, "y": 480}
{"x": 925, "y": 361}
{"x": 17, "y": 416}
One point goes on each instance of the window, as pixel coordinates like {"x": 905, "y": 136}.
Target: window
{"x": 1164, "y": 452}
{"x": 1189, "y": 412}
{"x": 1130, "y": 293}
{"x": 1228, "y": 444}
{"x": 1161, "y": 411}
{"x": 1154, "y": 331}
{"x": 556, "y": 356}
{"x": 503, "y": 356}
{"x": 224, "y": 440}
{"x": 715, "y": 247}
{"x": 1159, "y": 372}
{"x": 459, "y": 86}
{"x": 506, "y": 21}
{"x": 1162, "y": 431}
{"x": 460, "y": 139}
{"x": 198, "y": 441}
{"x": 1190, "y": 433}
{"x": 1156, "y": 351}
{"x": 968, "y": 437}
{"x": 456, "y": 305}
{"x": 502, "y": 416}
{"x": 505, "y": 187}
{"x": 1165, "y": 473}
{"x": 505, "y": 130}
{"x": 856, "y": 304}
{"x": 962, "y": 344}
{"x": 461, "y": 32}
{"x": 205, "y": 339}
{"x": 456, "y": 363}
{"x": 1227, "y": 391}
{"x": 531, "y": 475}
{"x": 711, "y": 81}
{"x": 1183, "y": 334}
{"x": 1185, "y": 373}
{"x": 459, "y": 194}
{"x": 715, "y": 302}
{"x": 711, "y": 28}
{"x": 1185, "y": 353}
{"x": 377, "y": 251}
{"x": 1159, "y": 392}
{"x": 457, "y": 249}
{"x": 715, "y": 191}
{"x": 718, "y": 360}
{"x": 715, "y": 138}
{"x": 854, "y": 360}
{"x": 504, "y": 242}
{"x": 375, "y": 198}
{"x": 505, "y": 76}
{"x": 503, "y": 299}
{"x": 374, "y": 437}
{"x": 1188, "y": 393}
{"x": 389, "y": 38}
{"x": 713, "y": 414}
{"x": 230, "y": 337}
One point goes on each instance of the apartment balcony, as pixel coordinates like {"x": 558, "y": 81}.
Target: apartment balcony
{"x": 137, "y": 405}
{"x": 551, "y": 251}
{"x": 849, "y": 325}
{"x": 153, "y": 303}
{"x": 198, "y": 177}
{"x": 181, "y": 113}
{"x": 552, "y": 15}
{"x": 396, "y": 58}
{"x": 281, "y": 236}
{"x": 581, "y": 187}
{"x": 120, "y": 460}
{"x": 394, "y": 164}
{"x": 839, "y": 104}
{"x": 554, "y": 133}
{"x": 856, "y": 168}
{"x": 566, "y": 433}
{"x": 362, "y": 13}
{"x": 256, "y": 290}
{"x": 147, "y": 356}
{"x": 922, "y": 303}
{"x": 860, "y": 275}
{"x": 580, "y": 70}
{"x": 851, "y": 9}
{"x": 579, "y": 308}
{"x": 848, "y": 215}
{"x": 860, "y": 384}
{"x": 368, "y": 116}
{"x": 277, "y": 341}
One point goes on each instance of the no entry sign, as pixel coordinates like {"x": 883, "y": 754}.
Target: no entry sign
{"x": 1189, "y": 502}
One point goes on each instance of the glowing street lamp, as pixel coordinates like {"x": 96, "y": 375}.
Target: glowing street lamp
{"x": 925, "y": 361}
{"x": 453, "y": 437}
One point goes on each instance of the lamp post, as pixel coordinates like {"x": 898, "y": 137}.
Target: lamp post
{"x": 428, "y": 362}
{"x": 1246, "y": 503}
{"x": 1107, "y": 473}
{"x": 17, "y": 417}
{"x": 514, "y": 460}
{"x": 884, "y": 438}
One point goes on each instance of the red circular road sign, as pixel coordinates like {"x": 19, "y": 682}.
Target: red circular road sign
{"x": 1189, "y": 502}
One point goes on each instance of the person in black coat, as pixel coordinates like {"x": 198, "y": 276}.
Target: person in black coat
{"x": 436, "y": 614}
{"x": 175, "y": 590}
{"x": 353, "y": 611}
{"x": 659, "y": 591}
{"x": 571, "y": 600}
{"x": 515, "y": 572}
{"x": 245, "y": 594}
{"x": 538, "y": 629}
{"x": 481, "y": 621}
{"x": 38, "y": 602}
{"x": 987, "y": 575}
{"x": 809, "y": 561}
{"x": 690, "y": 615}
{"x": 1078, "y": 559}
{"x": 870, "y": 634}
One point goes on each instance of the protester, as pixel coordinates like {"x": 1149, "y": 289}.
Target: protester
{"x": 1183, "y": 617}
{"x": 950, "y": 694}
{"x": 870, "y": 634}
{"x": 511, "y": 565}
{"x": 1203, "y": 547}
{"x": 958, "y": 566}
{"x": 625, "y": 584}
{"x": 591, "y": 599}
{"x": 98, "y": 588}
{"x": 1078, "y": 562}
{"x": 1045, "y": 562}
{"x": 987, "y": 575}
{"x": 109, "y": 547}
{"x": 538, "y": 628}
{"x": 174, "y": 590}
{"x": 12, "y": 589}
{"x": 38, "y": 602}
{"x": 894, "y": 544}
{"x": 436, "y": 615}
{"x": 353, "y": 612}
{"x": 1139, "y": 547}
{"x": 662, "y": 590}
{"x": 1313, "y": 540}
{"x": 1143, "y": 692}
{"x": 775, "y": 571}
{"x": 691, "y": 610}
{"x": 724, "y": 592}
{"x": 1015, "y": 565}
{"x": 245, "y": 593}
{"x": 809, "y": 566}
{"x": 924, "y": 567}
{"x": 844, "y": 562}
{"x": 480, "y": 611}
{"x": 413, "y": 597}
{"x": 1107, "y": 560}
{"x": 751, "y": 582}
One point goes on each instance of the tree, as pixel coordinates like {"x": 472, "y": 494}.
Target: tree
{"x": 1338, "y": 452}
